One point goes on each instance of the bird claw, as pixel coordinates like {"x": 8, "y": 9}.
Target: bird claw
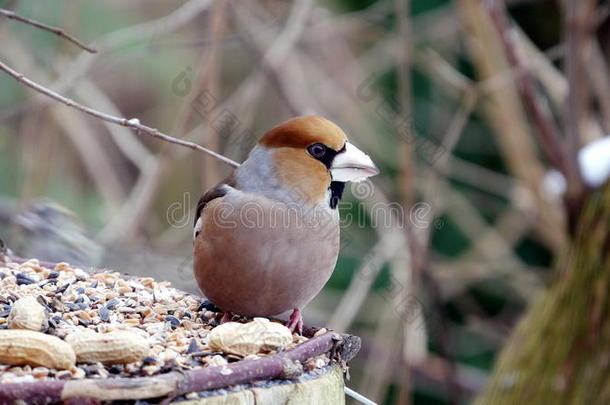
{"x": 295, "y": 324}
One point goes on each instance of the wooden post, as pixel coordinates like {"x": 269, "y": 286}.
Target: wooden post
{"x": 324, "y": 390}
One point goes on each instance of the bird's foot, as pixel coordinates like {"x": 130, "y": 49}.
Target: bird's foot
{"x": 295, "y": 324}
{"x": 226, "y": 317}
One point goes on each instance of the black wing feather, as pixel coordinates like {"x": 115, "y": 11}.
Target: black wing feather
{"x": 217, "y": 191}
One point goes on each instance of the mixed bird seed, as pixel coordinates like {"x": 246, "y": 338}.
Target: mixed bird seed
{"x": 176, "y": 324}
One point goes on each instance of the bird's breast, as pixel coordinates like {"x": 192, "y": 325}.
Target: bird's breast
{"x": 256, "y": 256}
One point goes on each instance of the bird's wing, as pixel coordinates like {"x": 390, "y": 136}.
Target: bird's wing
{"x": 217, "y": 191}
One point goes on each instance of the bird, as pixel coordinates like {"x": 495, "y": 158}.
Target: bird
{"x": 266, "y": 239}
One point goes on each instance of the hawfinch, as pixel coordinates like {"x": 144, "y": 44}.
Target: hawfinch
{"x": 266, "y": 239}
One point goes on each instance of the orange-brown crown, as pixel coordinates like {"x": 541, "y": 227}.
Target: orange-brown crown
{"x": 300, "y": 132}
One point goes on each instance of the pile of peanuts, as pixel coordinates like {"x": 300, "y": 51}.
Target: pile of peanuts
{"x": 64, "y": 323}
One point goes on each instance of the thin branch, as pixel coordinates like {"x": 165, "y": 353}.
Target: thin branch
{"x": 132, "y": 123}
{"x": 57, "y": 31}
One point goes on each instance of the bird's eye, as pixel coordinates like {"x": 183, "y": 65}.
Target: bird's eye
{"x": 317, "y": 150}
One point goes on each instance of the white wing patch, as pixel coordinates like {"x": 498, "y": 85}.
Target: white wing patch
{"x": 197, "y": 228}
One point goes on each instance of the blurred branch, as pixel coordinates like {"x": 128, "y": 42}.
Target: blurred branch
{"x": 57, "y": 31}
{"x": 457, "y": 277}
{"x": 143, "y": 31}
{"x": 537, "y": 63}
{"x": 92, "y": 155}
{"x": 132, "y": 213}
{"x": 446, "y": 341}
{"x": 138, "y": 204}
{"x": 270, "y": 61}
{"x": 480, "y": 177}
{"x": 421, "y": 239}
{"x": 364, "y": 277}
{"x": 421, "y": 236}
{"x": 127, "y": 142}
{"x": 391, "y": 242}
{"x": 406, "y": 186}
{"x": 578, "y": 15}
{"x": 389, "y": 334}
{"x": 90, "y": 149}
{"x": 430, "y": 62}
{"x": 599, "y": 16}
{"x": 548, "y": 134}
{"x": 403, "y": 66}
{"x": 504, "y": 111}
{"x": 487, "y": 243}
{"x": 210, "y": 81}
{"x": 432, "y": 188}
{"x": 132, "y": 123}
{"x": 599, "y": 74}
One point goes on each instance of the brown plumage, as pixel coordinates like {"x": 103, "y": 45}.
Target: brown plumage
{"x": 267, "y": 238}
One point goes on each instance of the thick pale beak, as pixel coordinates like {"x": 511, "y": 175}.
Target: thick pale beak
{"x": 352, "y": 165}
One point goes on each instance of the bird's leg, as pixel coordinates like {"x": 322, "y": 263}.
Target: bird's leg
{"x": 295, "y": 324}
{"x": 226, "y": 317}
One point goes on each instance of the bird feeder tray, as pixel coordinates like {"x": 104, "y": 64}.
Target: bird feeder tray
{"x": 179, "y": 368}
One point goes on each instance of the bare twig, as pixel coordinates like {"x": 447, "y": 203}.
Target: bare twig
{"x": 132, "y": 123}
{"x": 57, "y": 31}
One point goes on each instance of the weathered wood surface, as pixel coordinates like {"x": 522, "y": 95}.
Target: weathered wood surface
{"x": 326, "y": 389}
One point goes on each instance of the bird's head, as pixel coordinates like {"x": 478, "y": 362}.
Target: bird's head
{"x": 312, "y": 155}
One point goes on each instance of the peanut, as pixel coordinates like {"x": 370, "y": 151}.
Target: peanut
{"x": 254, "y": 337}
{"x": 26, "y": 347}
{"x": 118, "y": 347}
{"x": 27, "y": 313}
